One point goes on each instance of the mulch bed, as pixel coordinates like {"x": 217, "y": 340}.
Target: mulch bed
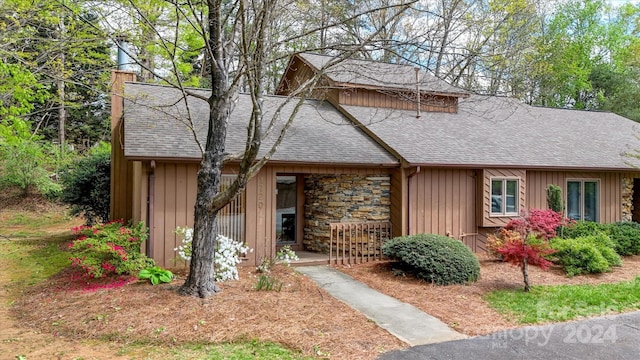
{"x": 462, "y": 306}
{"x": 301, "y": 316}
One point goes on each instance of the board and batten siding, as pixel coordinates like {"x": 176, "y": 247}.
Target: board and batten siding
{"x": 485, "y": 219}
{"x": 174, "y": 198}
{"x": 610, "y": 190}
{"x": 443, "y": 201}
{"x": 398, "y": 197}
{"x": 396, "y": 100}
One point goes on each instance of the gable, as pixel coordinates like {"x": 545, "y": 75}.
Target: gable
{"x": 370, "y": 83}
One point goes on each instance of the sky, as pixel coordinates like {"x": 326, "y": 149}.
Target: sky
{"x": 620, "y": 2}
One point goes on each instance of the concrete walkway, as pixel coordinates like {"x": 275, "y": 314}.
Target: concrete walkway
{"x": 404, "y": 321}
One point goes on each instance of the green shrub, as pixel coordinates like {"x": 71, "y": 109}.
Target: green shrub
{"x": 579, "y": 256}
{"x": 582, "y": 228}
{"x": 554, "y": 198}
{"x": 24, "y": 165}
{"x": 86, "y": 185}
{"x": 626, "y": 236}
{"x": 606, "y": 246}
{"x": 435, "y": 258}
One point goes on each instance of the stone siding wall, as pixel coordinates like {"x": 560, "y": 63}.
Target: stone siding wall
{"x": 627, "y": 199}
{"x": 342, "y": 198}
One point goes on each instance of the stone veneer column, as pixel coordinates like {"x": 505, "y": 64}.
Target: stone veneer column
{"x": 342, "y": 198}
{"x": 627, "y": 199}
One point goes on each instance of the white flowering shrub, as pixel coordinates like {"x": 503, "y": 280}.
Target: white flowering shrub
{"x": 284, "y": 256}
{"x": 227, "y": 254}
{"x": 184, "y": 250}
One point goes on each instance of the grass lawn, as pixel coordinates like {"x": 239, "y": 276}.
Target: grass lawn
{"x": 565, "y": 302}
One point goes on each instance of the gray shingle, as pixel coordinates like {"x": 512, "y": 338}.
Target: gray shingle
{"x": 156, "y": 127}
{"x": 379, "y": 74}
{"x": 492, "y": 131}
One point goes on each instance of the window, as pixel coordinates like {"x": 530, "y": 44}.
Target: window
{"x": 231, "y": 218}
{"x": 504, "y": 196}
{"x": 582, "y": 199}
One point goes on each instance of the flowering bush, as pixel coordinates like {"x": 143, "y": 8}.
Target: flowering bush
{"x": 284, "y": 256}
{"x": 226, "y": 258}
{"x": 110, "y": 248}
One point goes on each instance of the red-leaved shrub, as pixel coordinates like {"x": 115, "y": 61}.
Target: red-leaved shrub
{"x": 541, "y": 223}
{"x": 525, "y": 241}
{"x": 515, "y": 251}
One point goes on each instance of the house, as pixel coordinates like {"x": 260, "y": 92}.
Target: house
{"x": 380, "y": 145}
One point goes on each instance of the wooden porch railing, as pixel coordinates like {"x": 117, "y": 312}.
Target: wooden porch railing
{"x": 357, "y": 242}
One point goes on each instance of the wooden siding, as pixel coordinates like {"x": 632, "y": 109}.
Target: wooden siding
{"x": 485, "y": 219}
{"x": 174, "y": 201}
{"x": 121, "y": 206}
{"x": 399, "y": 196}
{"x": 396, "y": 100}
{"x": 297, "y": 75}
{"x": 443, "y": 201}
{"x": 610, "y": 192}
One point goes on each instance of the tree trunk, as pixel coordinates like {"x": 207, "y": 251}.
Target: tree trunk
{"x": 62, "y": 114}
{"x": 525, "y": 273}
{"x": 201, "y": 279}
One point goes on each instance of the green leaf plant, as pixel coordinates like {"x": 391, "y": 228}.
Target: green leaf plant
{"x": 156, "y": 275}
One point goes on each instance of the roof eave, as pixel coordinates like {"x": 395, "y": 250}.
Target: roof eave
{"x": 527, "y": 167}
{"x": 270, "y": 162}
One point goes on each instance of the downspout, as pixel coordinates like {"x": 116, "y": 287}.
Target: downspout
{"x": 417, "y": 171}
{"x": 150, "y": 207}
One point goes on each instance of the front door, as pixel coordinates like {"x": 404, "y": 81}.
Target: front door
{"x": 288, "y": 211}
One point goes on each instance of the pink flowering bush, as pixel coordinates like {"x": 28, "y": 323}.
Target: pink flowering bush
{"x": 108, "y": 249}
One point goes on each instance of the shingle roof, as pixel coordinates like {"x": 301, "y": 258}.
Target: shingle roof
{"x": 320, "y": 134}
{"x": 378, "y": 74}
{"x": 492, "y": 131}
